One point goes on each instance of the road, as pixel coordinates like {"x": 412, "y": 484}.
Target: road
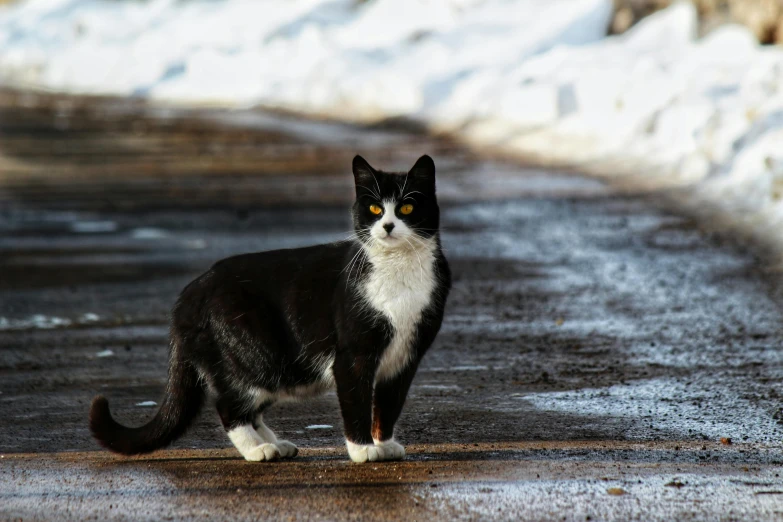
{"x": 598, "y": 350}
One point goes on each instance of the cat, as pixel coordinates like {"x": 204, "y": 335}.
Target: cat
{"x": 356, "y": 315}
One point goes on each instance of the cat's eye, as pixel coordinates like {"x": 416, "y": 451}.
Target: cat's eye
{"x": 375, "y": 209}
{"x": 406, "y": 209}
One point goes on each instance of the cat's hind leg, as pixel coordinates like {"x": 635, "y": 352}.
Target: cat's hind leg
{"x": 240, "y": 429}
{"x": 251, "y": 446}
{"x": 287, "y": 449}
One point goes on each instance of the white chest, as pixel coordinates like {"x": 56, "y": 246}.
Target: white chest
{"x": 400, "y": 286}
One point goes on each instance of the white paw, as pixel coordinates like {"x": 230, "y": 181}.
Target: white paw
{"x": 263, "y": 452}
{"x": 362, "y": 452}
{"x": 287, "y": 449}
{"x": 388, "y": 450}
{"x": 392, "y": 450}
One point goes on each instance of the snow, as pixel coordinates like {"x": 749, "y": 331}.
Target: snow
{"x": 534, "y": 78}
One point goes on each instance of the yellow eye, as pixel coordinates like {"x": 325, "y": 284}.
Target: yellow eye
{"x": 375, "y": 209}
{"x": 406, "y": 209}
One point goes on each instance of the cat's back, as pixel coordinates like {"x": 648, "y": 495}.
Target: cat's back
{"x": 285, "y": 260}
{"x": 272, "y": 272}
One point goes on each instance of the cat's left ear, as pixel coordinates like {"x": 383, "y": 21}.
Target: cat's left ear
{"x": 424, "y": 171}
{"x": 364, "y": 175}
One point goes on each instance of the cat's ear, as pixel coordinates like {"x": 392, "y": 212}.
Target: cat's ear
{"x": 424, "y": 171}
{"x": 363, "y": 175}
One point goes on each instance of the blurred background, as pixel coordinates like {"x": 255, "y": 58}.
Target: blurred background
{"x": 649, "y": 92}
{"x": 601, "y": 167}
{"x": 762, "y": 17}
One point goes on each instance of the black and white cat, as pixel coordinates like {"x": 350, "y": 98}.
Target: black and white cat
{"x": 356, "y": 315}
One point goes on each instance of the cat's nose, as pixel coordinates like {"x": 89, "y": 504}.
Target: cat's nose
{"x": 388, "y": 227}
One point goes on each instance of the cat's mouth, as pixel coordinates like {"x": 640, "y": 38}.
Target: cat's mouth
{"x": 390, "y": 239}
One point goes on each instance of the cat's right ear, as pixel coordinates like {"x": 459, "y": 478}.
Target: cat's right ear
{"x": 363, "y": 175}
{"x": 424, "y": 172}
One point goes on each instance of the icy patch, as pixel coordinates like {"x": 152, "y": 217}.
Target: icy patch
{"x": 195, "y": 244}
{"x": 319, "y": 427}
{"x": 462, "y": 368}
{"x": 148, "y": 233}
{"x": 105, "y": 353}
{"x": 667, "y": 405}
{"x": 45, "y": 322}
{"x": 93, "y": 227}
{"x": 33, "y": 322}
{"x": 146, "y": 404}
{"x": 439, "y": 386}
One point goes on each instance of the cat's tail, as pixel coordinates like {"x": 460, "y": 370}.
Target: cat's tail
{"x": 182, "y": 401}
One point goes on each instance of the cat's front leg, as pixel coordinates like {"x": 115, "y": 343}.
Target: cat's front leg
{"x": 354, "y": 380}
{"x": 388, "y": 400}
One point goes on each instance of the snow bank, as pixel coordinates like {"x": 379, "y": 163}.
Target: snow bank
{"x": 338, "y": 57}
{"x": 529, "y": 77}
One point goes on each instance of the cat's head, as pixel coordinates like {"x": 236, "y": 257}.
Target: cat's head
{"x": 395, "y": 210}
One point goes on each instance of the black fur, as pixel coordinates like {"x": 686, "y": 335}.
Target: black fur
{"x": 265, "y": 321}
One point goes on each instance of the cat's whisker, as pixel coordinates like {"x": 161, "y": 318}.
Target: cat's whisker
{"x": 420, "y": 241}
{"x": 402, "y": 191}
{"x": 356, "y": 264}
{"x": 374, "y": 194}
{"x": 350, "y": 262}
{"x": 376, "y": 184}
{"x": 363, "y": 258}
{"x": 361, "y": 266}
{"x": 349, "y": 238}
{"x": 350, "y": 265}
{"x": 421, "y": 265}
{"x": 412, "y": 192}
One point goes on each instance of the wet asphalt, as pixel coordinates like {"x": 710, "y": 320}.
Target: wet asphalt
{"x": 602, "y": 357}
